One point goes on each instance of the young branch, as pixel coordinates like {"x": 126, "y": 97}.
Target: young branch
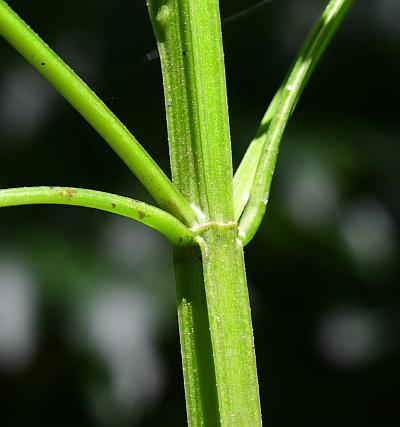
{"x": 168, "y": 225}
{"x": 86, "y": 102}
{"x": 254, "y": 187}
{"x": 246, "y": 172}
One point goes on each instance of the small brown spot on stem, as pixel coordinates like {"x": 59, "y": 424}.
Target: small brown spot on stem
{"x": 113, "y": 205}
{"x": 70, "y": 193}
{"x": 141, "y": 214}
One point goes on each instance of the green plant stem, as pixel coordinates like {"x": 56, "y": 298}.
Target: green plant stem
{"x": 244, "y": 177}
{"x": 177, "y": 233}
{"x": 86, "y": 102}
{"x": 189, "y": 43}
{"x": 194, "y": 331}
{"x": 220, "y": 373}
{"x": 255, "y": 187}
{"x": 213, "y": 306}
{"x": 231, "y": 327}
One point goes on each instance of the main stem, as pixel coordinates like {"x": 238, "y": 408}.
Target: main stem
{"x": 213, "y": 306}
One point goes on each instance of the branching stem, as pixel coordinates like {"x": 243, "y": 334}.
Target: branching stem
{"x": 156, "y": 218}
{"x": 253, "y": 188}
{"x": 87, "y": 103}
{"x": 215, "y": 326}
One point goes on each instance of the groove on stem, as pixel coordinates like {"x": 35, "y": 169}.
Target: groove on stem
{"x": 188, "y": 34}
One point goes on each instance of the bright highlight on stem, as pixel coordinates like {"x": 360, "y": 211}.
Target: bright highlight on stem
{"x": 87, "y": 103}
{"x": 252, "y": 189}
{"x": 177, "y": 233}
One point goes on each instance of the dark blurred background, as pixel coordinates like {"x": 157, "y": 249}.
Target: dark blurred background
{"x": 88, "y": 329}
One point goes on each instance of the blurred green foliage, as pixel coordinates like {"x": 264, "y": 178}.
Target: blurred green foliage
{"x": 88, "y": 331}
